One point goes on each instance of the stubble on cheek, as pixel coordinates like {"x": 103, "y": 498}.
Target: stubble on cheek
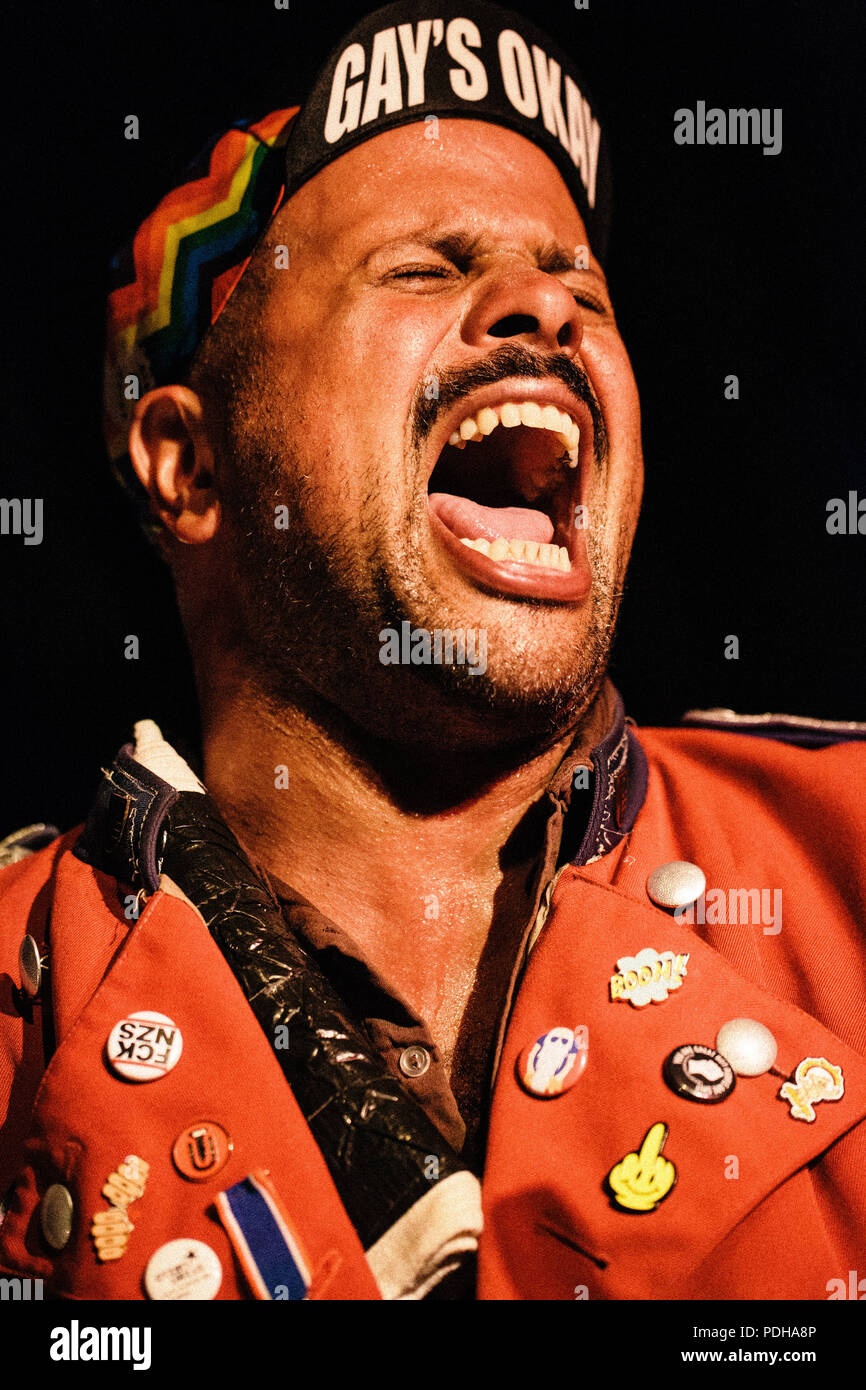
{"x": 298, "y": 544}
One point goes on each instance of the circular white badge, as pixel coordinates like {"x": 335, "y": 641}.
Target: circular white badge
{"x": 144, "y": 1046}
{"x": 183, "y": 1269}
{"x": 677, "y": 884}
{"x": 748, "y": 1046}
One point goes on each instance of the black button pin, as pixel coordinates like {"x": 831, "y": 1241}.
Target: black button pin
{"x": 699, "y": 1073}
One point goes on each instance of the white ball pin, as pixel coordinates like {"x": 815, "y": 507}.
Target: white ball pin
{"x": 748, "y": 1046}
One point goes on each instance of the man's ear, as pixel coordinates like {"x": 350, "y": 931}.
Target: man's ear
{"x": 173, "y": 459}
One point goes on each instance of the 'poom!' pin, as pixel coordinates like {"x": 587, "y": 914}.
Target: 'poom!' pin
{"x": 648, "y": 977}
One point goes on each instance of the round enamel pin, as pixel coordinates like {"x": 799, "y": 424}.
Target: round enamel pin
{"x": 144, "y": 1046}
{"x": 201, "y": 1151}
{"x": 699, "y": 1073}
{"x": 30, "y": 964}
{"x": 552, "y": 1063}
{"x": 183, "y": 1269}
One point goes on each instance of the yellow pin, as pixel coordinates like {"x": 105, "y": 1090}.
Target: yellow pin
{"x": 641, "y": 1180}
{"x": 814, "y": 1080}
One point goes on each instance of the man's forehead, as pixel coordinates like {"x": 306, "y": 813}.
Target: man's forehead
{"x": 472, "y": 186}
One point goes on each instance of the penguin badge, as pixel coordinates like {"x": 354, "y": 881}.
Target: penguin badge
{"x": 553, "y": 1062}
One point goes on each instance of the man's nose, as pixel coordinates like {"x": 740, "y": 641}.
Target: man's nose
{"x": 517, "y": 302}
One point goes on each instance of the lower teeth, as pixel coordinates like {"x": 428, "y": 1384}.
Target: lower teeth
{"x": 525, "y": 552}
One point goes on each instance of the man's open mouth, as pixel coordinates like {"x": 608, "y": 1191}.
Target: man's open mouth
{"x": 504, "y": 497}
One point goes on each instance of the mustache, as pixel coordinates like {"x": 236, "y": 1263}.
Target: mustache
{"x": 508, "y": 361}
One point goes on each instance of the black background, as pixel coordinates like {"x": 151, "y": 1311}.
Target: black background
{"x": 723, "y": 260}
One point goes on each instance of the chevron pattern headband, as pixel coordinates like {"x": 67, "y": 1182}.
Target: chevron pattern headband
{"x": 173, "y": 280}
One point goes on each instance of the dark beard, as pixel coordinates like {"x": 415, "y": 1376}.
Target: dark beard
{"x": 309, "y": 634}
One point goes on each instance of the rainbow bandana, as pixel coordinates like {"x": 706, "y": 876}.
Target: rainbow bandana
{"x": 397, "y": 66}
{"x": 175, "y": 277}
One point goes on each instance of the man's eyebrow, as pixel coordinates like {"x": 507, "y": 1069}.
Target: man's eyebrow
{"x": 554, "y": 259}
{"x": 456, "y": 245}
{"x": 462, "y": 247}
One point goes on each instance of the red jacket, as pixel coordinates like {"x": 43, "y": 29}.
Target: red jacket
{"x": 765, "y": 1205}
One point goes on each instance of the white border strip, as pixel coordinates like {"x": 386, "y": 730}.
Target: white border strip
{"x": 152, "y": 751}
{"x": 429, "y": 1239}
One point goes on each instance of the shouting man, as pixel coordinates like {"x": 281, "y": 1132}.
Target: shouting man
{"x": 433, "y": 974}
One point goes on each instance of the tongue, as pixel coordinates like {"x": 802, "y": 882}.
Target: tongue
{"x": 470, "y": 521}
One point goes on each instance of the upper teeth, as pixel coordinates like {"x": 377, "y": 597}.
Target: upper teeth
{"x": 538, "y": 417}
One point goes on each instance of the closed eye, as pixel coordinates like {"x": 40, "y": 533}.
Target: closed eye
{"x": 439, "y": 272}
{"x": 588, "y": 302}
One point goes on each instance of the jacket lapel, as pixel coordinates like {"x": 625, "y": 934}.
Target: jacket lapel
{"x": 548, "y": 1158}
{"x": 227, "y": 1073}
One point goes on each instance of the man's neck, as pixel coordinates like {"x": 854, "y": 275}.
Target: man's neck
{"x": 406, "y": 854}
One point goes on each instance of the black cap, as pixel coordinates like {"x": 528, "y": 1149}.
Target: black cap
{"x": 410, "y": 63}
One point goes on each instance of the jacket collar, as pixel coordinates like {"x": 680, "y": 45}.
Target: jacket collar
{"x": 124, "y": 834}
